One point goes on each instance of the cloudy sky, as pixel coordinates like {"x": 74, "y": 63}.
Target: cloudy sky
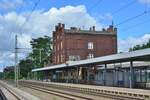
{"x": 14, "y": 19}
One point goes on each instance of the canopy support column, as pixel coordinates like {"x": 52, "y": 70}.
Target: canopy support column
{"x": 104, "y": 73}
{"x": 131, "y": 74}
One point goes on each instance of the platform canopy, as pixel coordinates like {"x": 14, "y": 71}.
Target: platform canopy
{"x": 139, "y": 55}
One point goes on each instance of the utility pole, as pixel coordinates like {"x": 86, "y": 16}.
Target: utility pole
{"x": 40, "y": 50}
{"x": 16, "y": 61}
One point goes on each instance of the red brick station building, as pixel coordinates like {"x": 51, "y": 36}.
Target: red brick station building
{"x": 75, "y": 44}
{"x": 90, "y": 57}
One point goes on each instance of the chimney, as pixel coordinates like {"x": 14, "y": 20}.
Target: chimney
{"x": 110, "y": 28}
{"x": 59, "y": 24}
{"x": 56, "y": 28}
{"x": 93, "y": 28}
{"x": 63, "y": 25}
{"x": 90, "y": 29}
{"x": 103, "y": 29}
{"x": 115, "y": 29}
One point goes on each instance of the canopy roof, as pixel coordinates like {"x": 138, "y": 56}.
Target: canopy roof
{"x": 139, "y": 55}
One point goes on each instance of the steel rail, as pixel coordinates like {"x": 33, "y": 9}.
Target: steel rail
{"x": 54, "y": 92}
{"x": 11, "y": 92}
{"x": 82, "y": 91}
{"x": 2, "y": 96}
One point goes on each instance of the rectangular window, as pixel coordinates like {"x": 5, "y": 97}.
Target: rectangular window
{"x": 61, "y": 58}
{"x": 90, "y": 56}
{"x": 55, "y": 59}
{"x": 90, "y": 45}
{"x": 57, "y": 37}
{"x": 57, "y": 47}
{"x": 61, "y": 45}
{"x": 58, "y": 58}
{"x": 74, "y": 58}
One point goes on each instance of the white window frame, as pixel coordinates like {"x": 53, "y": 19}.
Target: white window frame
{"x": 61, "y": 58}
{"x": 57, "y": 47}
{"x": 74, "y": 58}
{"x": 58, "y": 59}
{"x": 91, "y": 55}
{"x": 61, "y": 45}
{"x": 90, "y": 45}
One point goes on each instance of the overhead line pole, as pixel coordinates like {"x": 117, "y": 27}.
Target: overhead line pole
{"x": 16, "y": 61}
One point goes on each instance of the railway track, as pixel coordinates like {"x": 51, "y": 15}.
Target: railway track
{"x": 8, "y": 91}
{"x": 55, "y": 92}
{"x": 50, "y": 87}
{"x": 2, "y": 96}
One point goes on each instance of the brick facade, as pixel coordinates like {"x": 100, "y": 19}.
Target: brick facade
{"x": 77, "y": 44}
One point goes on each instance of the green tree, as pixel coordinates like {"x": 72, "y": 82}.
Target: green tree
{"x": 41, "y": 55}
{"x": 138, "y": 47}
{"x": 1, "y": 75}
{"x": 42, "y": 51}
{"x": 25, "y": 68}
{"x": 9, "y": 72}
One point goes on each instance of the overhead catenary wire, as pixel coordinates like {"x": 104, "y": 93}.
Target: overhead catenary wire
{"x": 146, "y": 11}
{"x": 17, "y": 69}
{"x": 28, "y": 18}
{"x": 34, "y": 7}
{"x": 96, "y": 4}
{"x": 15, "y": 20}
{"x": 146, "y": 5}
{"x": 124, "y": 7}
{"x": 132, "y": 18}
{"x": 92, "y": 8}
{"x": 135, "y": 25}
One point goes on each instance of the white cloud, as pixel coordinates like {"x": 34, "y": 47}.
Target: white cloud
{"x": 147, "y": 2}
{"x": 44, "y": 22}
{"x": 7, "y": 58}
{"x": 125, "y": 44}
{"x": 40, "y": 23}
{"x": 106, "y": 16}
{"x": 10, "y": 4}
{"x": 24, "y": 41}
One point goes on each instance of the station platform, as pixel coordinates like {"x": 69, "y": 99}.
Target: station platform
{"x": 116, "y": 91}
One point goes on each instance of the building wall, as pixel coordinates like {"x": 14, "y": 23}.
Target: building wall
{"x": 76, "y": 44}
{"x": 58, "y": 40}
